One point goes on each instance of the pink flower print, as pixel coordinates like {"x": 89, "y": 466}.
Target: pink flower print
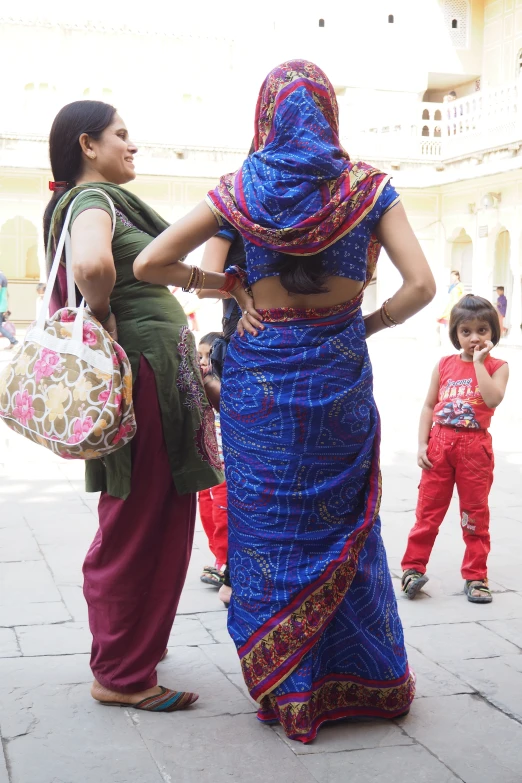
{"x": 89, "y": 335}
{"x": 115, "y": 360}
{"x": 81, "y": 428}
{"x": 23, "y": 411}
{"x": 117, "y": 402}
{"x": 46, "y": 365}
{"x": 124, "y": 430}
{"x": 67, "y": 316}
{"x": 104, "y": 395}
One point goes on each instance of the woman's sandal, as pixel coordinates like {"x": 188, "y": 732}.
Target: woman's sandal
{"x": 477, "y": 591}
{"x": 412, "y": 582}
{"x": 165, "y": 701}
{"x": 212, "y": 576}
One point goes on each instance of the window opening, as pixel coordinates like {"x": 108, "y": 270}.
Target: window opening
{"x": 391, "y": 19}
{"x": 321, "y": 22}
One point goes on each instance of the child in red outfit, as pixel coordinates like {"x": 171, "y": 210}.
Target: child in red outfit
{"x": 213, "y": 502}
{"x": 455, "y": 447}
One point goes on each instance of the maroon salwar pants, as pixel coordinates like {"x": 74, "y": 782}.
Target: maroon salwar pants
{"x": 136, "y": 567}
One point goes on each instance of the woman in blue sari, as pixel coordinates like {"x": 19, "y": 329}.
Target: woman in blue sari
{"x": 313, "y": 613}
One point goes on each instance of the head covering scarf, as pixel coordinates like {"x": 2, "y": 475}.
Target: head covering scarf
{"x": 298, "y": 193}
{"x": 138, "y": 212}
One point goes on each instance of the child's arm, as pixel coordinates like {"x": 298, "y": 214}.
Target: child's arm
{"x": 426, "y": 420}
{"x": 492, "y": 387}
{"x": 212, "y": 386}
{"x": 214, "y": 259}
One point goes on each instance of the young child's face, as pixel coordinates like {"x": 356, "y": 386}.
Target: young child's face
{"x": 473, "y": 333}
{"x": 204, "y": 358}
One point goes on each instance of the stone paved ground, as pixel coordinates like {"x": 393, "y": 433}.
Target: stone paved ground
{"x": 464, "y": 726}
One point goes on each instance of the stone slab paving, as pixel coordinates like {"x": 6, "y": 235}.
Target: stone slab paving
{"x": 465, "y": 725}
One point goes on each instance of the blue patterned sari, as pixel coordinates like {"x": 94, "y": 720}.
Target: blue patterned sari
{"x": 313, "y": 614}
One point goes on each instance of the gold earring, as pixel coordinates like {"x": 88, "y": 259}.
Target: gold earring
{"x": 92, "y": 155}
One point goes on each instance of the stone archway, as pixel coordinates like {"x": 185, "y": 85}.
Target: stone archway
{"x": 501, "y": 273}
{"x": 19, "y": 249}
{"x": 462, "y": 258}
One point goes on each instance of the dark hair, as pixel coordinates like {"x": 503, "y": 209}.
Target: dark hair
{"x": 473, "y": 307}
{"x": 65, "y": 152}
{"x": 500, "y": 288}
{"x": 455, "y": 272}
{"x": 209, "y": 338}
{"x": 302, "y": 274}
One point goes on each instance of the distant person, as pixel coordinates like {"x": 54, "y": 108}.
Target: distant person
{"x": 455, "y": 292}
{"x": 40, "y": 293}
{"x": 501, "y": 309}
{"x": 455, "y": 447}
{"x": 3, "y": 313}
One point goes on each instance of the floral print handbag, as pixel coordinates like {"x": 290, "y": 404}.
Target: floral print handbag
{"x": 69, "y": 386}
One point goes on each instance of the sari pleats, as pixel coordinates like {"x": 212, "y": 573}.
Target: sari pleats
{"x": 313, "y": 614}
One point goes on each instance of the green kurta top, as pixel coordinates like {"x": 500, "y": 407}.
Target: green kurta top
{"x": 151, "y": 323}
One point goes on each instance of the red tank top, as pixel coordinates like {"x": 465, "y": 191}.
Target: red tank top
{"x": 460, "y": 401}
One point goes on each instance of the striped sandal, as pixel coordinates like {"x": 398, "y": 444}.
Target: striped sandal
{"x": 212, "y": 576}
{"x": 477, "y": 591}
{"x": 165, "y": 701}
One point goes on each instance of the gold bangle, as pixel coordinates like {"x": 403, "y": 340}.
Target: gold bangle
{"x": 201, "y": 283}
{"x": 188, "y": 287}
{"x": 388, "y": 316}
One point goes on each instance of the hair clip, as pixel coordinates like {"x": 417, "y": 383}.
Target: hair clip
{"x": 58, "y": 186}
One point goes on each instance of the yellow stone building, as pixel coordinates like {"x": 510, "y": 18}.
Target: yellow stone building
{"x": 428, "y": 90}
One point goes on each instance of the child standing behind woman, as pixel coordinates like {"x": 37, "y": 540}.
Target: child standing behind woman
{"x": 455, "y": 447}
{"x": 213, "y": 501}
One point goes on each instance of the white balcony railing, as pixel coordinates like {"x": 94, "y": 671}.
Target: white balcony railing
{"x": 486, "y": 120}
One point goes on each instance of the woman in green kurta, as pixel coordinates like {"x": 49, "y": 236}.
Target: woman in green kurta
{"x": 136, "y": 566}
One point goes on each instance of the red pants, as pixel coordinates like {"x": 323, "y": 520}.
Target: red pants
{"x": 136, "y": 566}
{"x": 214, "y": 518}
{"x": 465, "y": 458}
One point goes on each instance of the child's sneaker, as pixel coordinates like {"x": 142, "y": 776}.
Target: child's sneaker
{"x": 412, "y": 582}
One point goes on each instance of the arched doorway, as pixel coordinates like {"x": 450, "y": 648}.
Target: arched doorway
{"x": 502, "y": 274}
{"x": 19, "y": 249}
{"x": 462, "y": 259}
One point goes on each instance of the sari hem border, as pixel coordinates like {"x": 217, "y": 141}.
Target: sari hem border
{"x": 388, "y": 700}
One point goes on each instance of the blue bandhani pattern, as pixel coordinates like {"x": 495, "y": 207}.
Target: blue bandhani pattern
{"x": 298, "y": 192}
{"x": 313, "y": 612}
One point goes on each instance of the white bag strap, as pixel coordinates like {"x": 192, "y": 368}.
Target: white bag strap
{"x": 65, "y": 241}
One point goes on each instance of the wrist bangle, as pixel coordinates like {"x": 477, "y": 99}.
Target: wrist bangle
{"x": 192, "y": 281}
{"x": 229, "y": 284}
{"x": 393, "y": 323}
{"x": 201, "y": 282}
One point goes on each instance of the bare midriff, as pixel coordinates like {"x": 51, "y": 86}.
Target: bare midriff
{"x": 269, "y": 293}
